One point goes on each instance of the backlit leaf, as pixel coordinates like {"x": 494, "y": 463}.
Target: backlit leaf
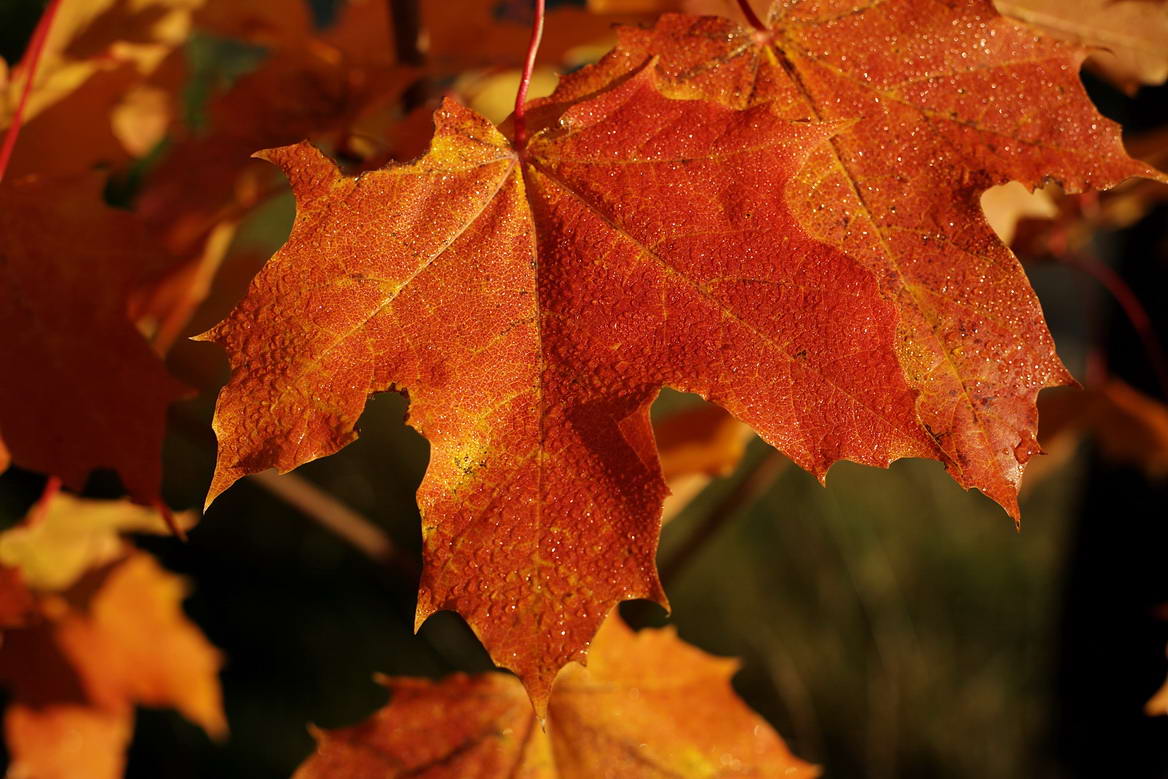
{"x": 532, "y": 304}
{"x": 948, "y": 99}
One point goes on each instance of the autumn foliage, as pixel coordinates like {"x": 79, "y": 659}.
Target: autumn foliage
{"x": 779, "y": 209}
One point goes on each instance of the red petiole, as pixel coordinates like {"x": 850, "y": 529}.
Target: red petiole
{"x": 525, "y": 79}
{"x": 28, "y": 64}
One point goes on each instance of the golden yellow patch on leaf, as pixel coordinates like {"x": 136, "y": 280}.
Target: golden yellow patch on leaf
{"x": 647, "y": 705}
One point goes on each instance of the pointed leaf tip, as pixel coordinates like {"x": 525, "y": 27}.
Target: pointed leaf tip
{"x": 310, "y": 173}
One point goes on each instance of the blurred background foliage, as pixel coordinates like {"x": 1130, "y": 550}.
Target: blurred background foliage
{"x": 890, "y": 625}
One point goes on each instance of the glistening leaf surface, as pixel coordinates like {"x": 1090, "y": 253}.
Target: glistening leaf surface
{"x": 949, "y": 99}
{"x": 647, "y": 706}
{"x": 532, "y": 305}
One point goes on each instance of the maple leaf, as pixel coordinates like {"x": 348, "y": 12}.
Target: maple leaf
{"x": 81, "y": 388}
{"x": 949, "y": 99}
{"x": 101, "y": 630}
{"x": 647, "y": 705}
{"x": 531, "y": 304}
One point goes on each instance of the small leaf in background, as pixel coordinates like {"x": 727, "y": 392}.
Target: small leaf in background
{"x": 1127, "y": 38}
{"x": 74, "y": 535}
{"x": 1005, "y": 205}
{"x": 116, "y": 65}
{"x": 102, "y": 631}
{"x": 646, "y": 705}
{"x": 1128, "y": 427}
{"x": 697, "y": 445}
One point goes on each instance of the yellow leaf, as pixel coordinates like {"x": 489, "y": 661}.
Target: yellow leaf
{"x": 75, "y": 535}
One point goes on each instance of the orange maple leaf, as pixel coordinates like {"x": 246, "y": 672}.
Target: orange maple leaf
{"x": 948, "y": 99}
{"x": 532, "y": 303}
{"x": 647, "y": 705}
{"x": 81, "y": 388}
{"x": 101, "y": 629}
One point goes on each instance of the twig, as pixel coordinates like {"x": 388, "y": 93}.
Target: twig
{"x": 406, "y": 29}
{"x": 525, "y": 79}
{"x": 29, "y": 63}
{"x": 757, "y": 478}
{"x": 316, "y": 504}
{"x": 331, "y": 514}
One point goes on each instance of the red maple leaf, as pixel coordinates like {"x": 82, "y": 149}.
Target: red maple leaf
{"x": 946, "y": 98}
{"x": 81, "y": 389}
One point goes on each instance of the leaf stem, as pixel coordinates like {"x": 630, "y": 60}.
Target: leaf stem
{"x": 525, "y": 79}
{"x": 28, "y": 63}
{"x": 752, "y": 17}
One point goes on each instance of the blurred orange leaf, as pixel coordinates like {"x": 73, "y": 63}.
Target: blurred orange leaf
{"x": 74, "y": 535}
{"x": 1128, "y": 39}
{"x": 103, "y": 630}
{"x": 1128, "y": 426}
{"x": 695, "y": 446}
{"x": 111, "y": 63}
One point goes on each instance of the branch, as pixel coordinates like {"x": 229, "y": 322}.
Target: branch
{"x": 316, "y": 504}
{"x": 332, "y": 514}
